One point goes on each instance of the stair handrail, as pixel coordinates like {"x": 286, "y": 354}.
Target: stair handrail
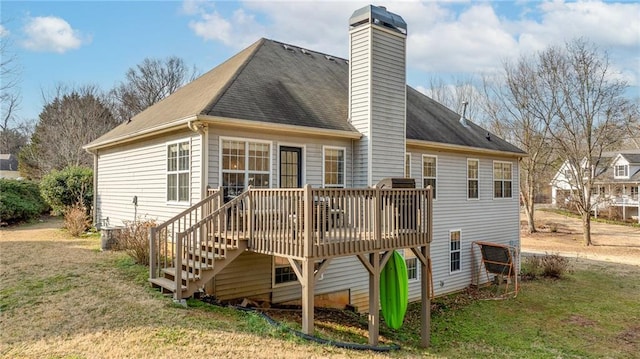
{"x": 161, "y": 254}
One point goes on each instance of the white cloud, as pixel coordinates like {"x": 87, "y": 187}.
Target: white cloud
{"x": 51, "y": 34}
{"x": 3, "y": 31}
{"x": 469, "y": 37}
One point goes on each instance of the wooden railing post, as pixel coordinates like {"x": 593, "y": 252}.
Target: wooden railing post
{"x": 249, "y": 213}
{"x": 308, "y": 221}
{"x": 152, "y": 253}
{"x": 377, "y": 215}
{"x": 178, "y": 276}
{"x": 430, "y": 214}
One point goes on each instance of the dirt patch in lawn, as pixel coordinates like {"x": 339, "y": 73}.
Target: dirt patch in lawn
{"x": 563, "y": 235}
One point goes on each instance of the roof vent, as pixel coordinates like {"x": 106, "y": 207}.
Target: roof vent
{"x": 306, "y": 52}
{"x": 288, "y": 48}
{"x": 330, "y": 58}
{"x": 463, "y": 121}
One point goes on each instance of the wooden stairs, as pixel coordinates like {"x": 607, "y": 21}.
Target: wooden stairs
{"x": 198, "y": 267}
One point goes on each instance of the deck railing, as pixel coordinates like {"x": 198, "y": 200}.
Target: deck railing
{"x": 296, "y": 223}
{"x": 163, "y": 238}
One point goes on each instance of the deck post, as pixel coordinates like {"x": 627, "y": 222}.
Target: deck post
{"x": 152, "y": 253}
{"x": 308, "y": 284}
{"x": 308, "y": 277}
{"x": 377, "y": 213}
{"x": 425, "y": 312}
{"x": 178, "y": 260}
{"x": 374, "y": 298}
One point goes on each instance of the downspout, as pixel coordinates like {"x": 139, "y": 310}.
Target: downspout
{"x": 202, "y": 130}
{"x": 95, "y": 188}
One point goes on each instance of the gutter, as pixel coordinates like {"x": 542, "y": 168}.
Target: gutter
{"x": 266, "y": 126}
{"x": 463, "y": 149}
{"x": 167, "y": 127}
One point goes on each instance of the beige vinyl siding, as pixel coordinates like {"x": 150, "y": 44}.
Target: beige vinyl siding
{"x": 485, "y": 219}
{"x": 248, "y": 276}
{"x": 388, "y": 86}
{"x": 360, "y": 100}
{"x": 140, "y": 169}
{"x": 312, "y": 154}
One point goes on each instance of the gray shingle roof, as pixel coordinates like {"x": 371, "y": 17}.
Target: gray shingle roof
{"x": 631, "y": 157}
{"x": 282, "y": 84}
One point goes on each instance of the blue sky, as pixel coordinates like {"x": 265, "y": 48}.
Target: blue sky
{"x": 87, "y": 42}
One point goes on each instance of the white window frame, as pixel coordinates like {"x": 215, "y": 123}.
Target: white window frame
{"x": 246, "y": 171}
{"x": 477, "y": 179}
{"x": 434, "y": 178}
{"x": 625, "y": 170}
{"x": 344, "y": 166}
{"x": 407, "y": 165}
{"x": 294, "y": 280}
{"x": 177, "y": 172}
{"x": 406, "y": 261}
{"x": 459, "y": 251}
{"x": 493, "y": 174}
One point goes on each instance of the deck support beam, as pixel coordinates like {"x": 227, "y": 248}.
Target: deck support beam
{"x": 425, "y": 310}
{"x": 374, "y": 298}
{"x": 308, "y": 285}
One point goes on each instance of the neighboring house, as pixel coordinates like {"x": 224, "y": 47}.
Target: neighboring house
{"x": 277, "y": 116}
{"x": 9, "y": 166}
{"x": 616, "y": 184}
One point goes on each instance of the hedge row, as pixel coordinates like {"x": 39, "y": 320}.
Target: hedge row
{"x": 20, "y": 201}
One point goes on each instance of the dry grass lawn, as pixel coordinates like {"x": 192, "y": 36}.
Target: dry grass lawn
{"x": 63, "y": 298}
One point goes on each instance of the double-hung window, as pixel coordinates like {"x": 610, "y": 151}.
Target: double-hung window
{"x": 622, "y": 171}
{"x": 502, "y": 180}
{"x": 334, "y": 167}
{"x": 472, "y": 179}
{"x": 429, "y": 168}
{"x": 245, "y": 163}
{"x": 178, "y": 173}
{"x": 455, "y": 250}
{"x": 412, "y": 264}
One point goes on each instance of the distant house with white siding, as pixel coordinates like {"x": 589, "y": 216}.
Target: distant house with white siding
{"x": 616, "y": 184}
{"x": 277, "y": 116}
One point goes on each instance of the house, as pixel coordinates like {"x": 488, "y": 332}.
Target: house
{"x": 9, "y": 166}
{"x": 278, "y": 117}
{"x": 615, "y": 187}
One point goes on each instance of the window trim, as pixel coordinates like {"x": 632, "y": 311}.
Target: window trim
{"x": 493, "y": 174}
{"x": 344, "y": 173}
{"x": 459, "y": 250}
{"x": 435, "y": 192}
{"x": 295, "y": 281}
{"x": 477, "y": 179}
{"x": 178, "y": 202}
{"x": 246, "y": 171}
{"x": 407, "y": 163}
{"x": 624, "y": 167}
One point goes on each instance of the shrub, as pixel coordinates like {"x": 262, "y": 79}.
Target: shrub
{"x": 20, "y": 201}
{"x": 554, "y": 266}
{"x": 66, "y": 188}
{"x": 531, "y": 267}
{"x": 76, "y": 220}
{"x": 550, "y": 266}
{"x": 134, "y": 240}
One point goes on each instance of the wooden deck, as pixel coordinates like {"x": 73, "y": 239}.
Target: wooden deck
{"x": 304, "y": 225}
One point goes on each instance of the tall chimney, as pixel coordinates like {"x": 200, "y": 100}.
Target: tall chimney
{"x": 377, "y": 93}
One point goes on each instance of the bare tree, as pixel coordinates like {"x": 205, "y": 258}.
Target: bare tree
{"x": 518, "y": 110}
{"x": 69, "y": 120}
{"x": 12, "y": 136}
{"x": 590, "y": 115}
{"x": 147, "y": 83}
{"x": 454, "y": 93}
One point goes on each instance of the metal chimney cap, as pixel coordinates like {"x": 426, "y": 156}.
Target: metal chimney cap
{"x": 378, "y": 15}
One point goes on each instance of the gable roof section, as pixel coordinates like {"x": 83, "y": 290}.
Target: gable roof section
{"x": 633, "y": 158}
{"x": 188, "y": 101}
{"x": 276, "y": 83}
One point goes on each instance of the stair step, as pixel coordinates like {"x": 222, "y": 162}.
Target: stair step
{"x": 172, "y": 272}
{"x": 167, "y": 284}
